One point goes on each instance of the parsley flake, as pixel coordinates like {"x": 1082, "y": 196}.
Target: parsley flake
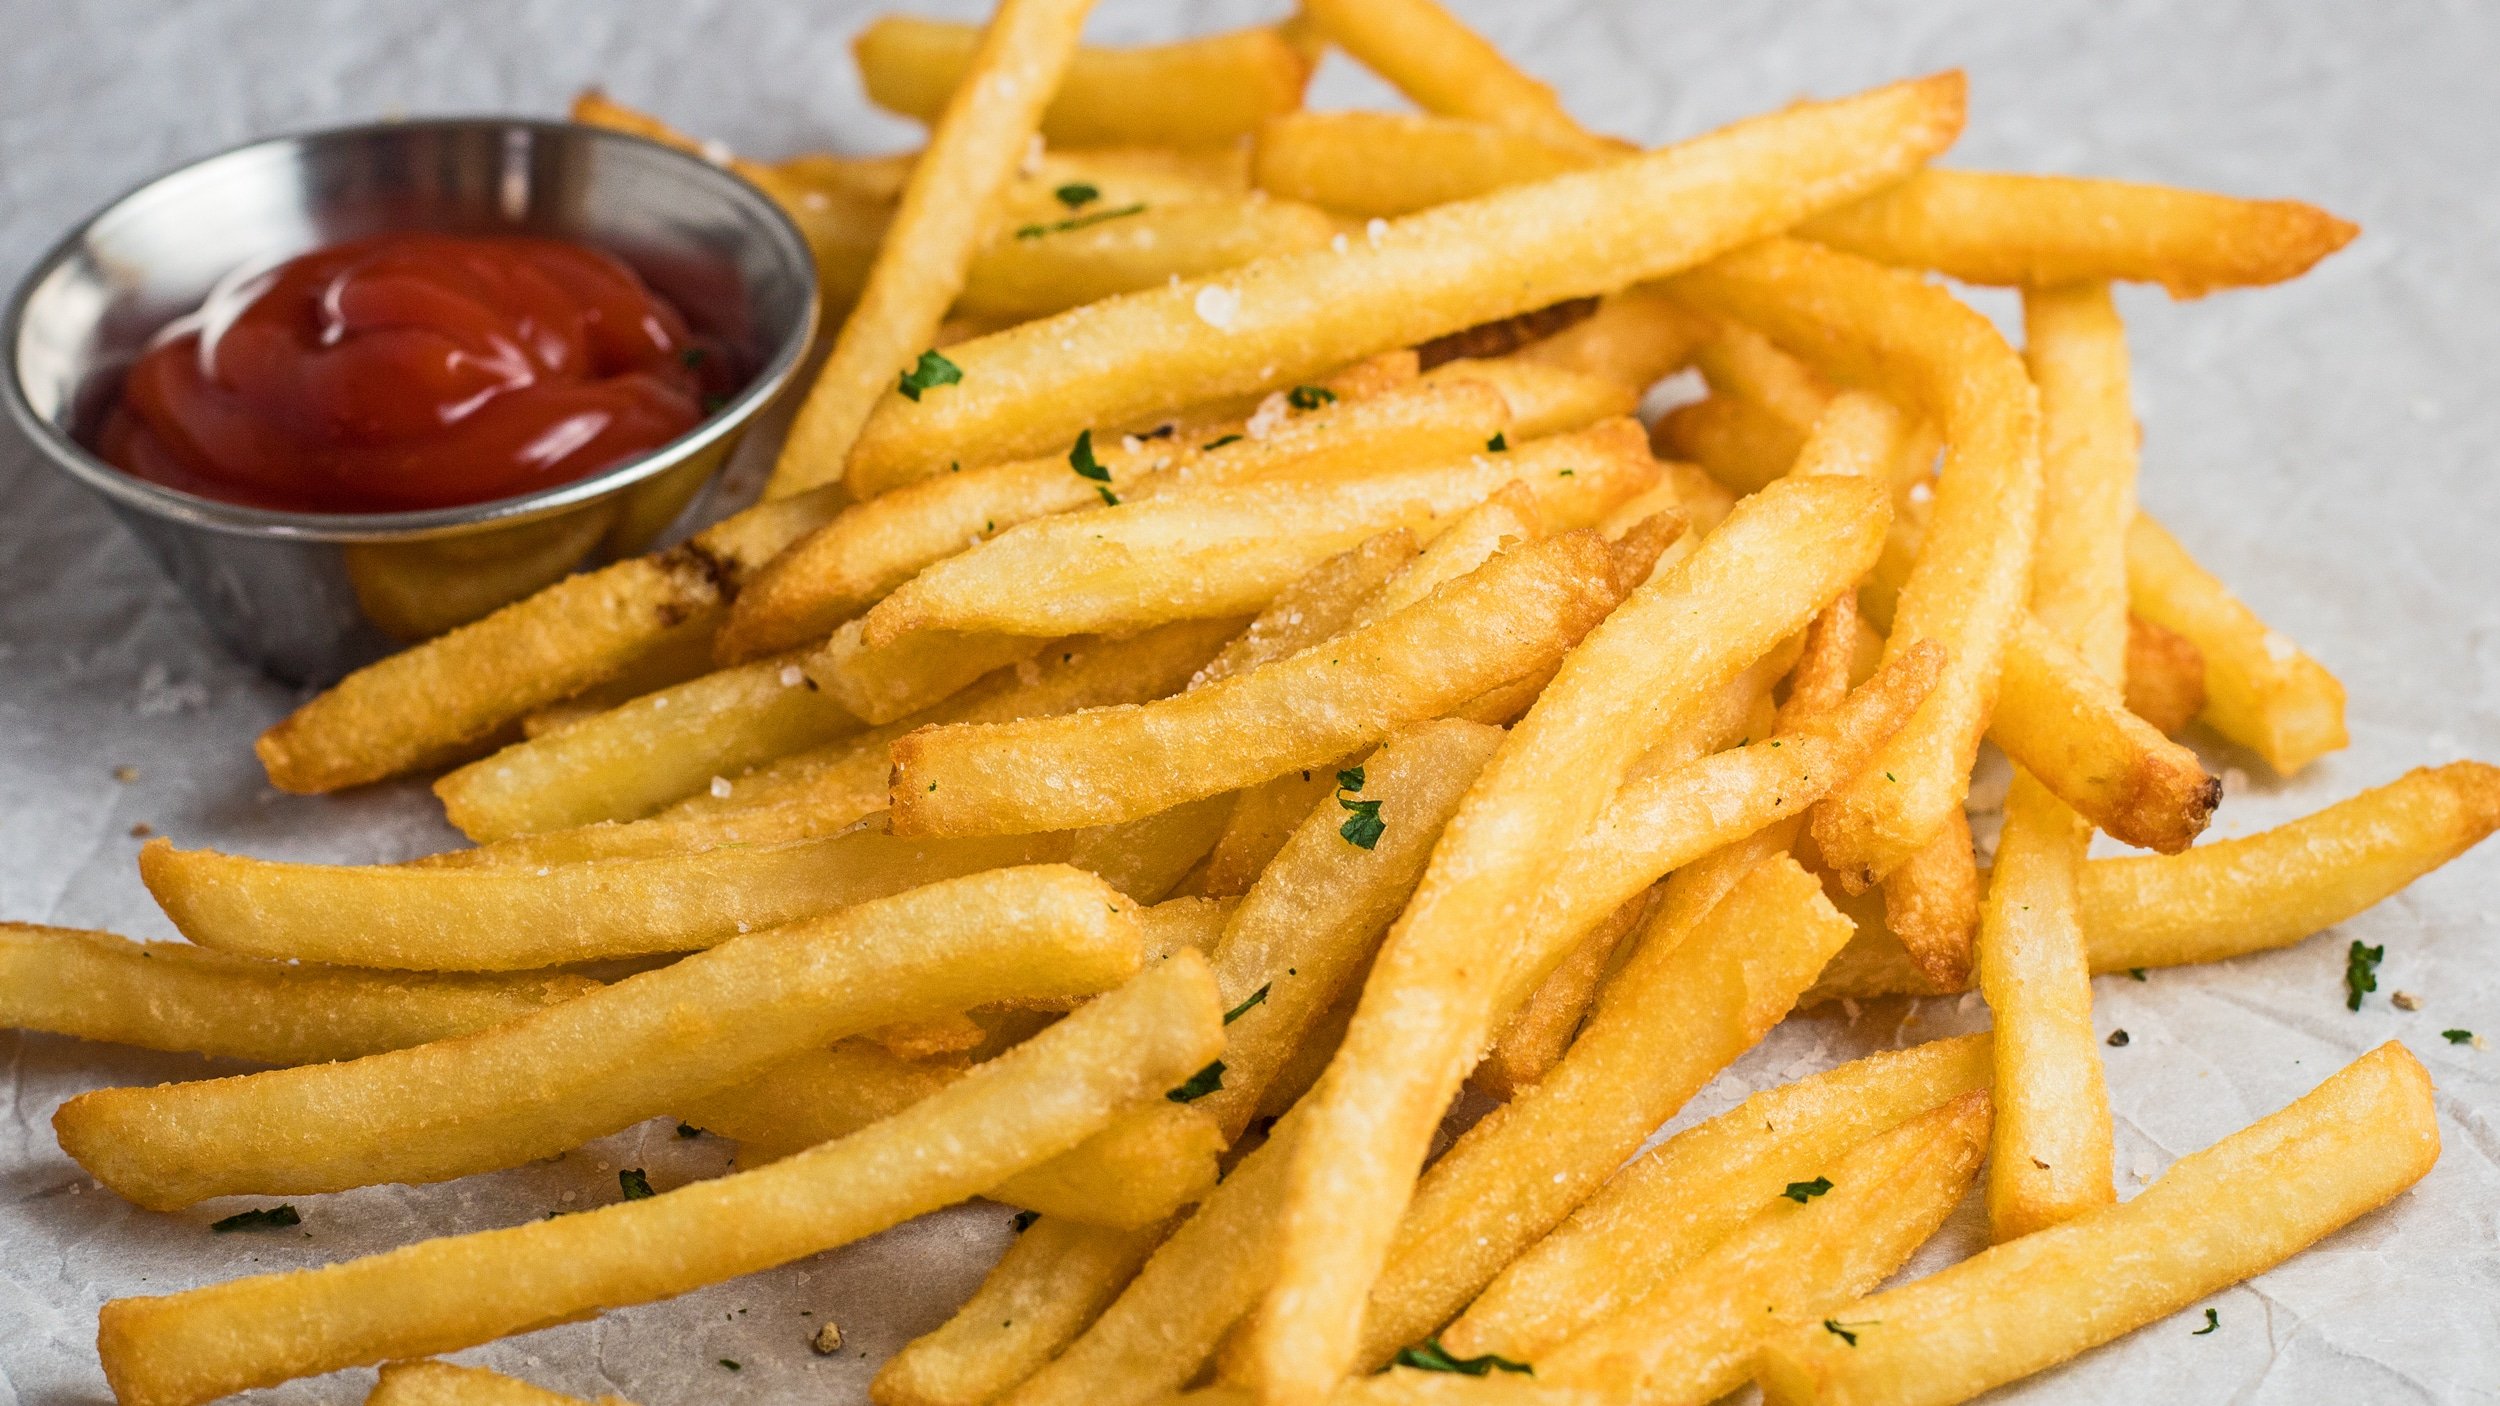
{"x": 1024, "y": 1220}
{"x": 931, "y": 370}
{"x": 1364, "y": 827}
{"x": 732, "y": 1364}
{"x": 1803, "y": 1191}
{"x": 1564, "y": 473}
{"x": 2361, "y": 971}
{"x": 634, "y": 1184}
{"x": 266, "y": 1218}
{"x": 2213, "y": 1320}
{"x": 2138, "y": 973}
{"x": 1430, "y": 1356}
{"x": 1079, "y": 221}
{"x": 1257, "y": 997}
{"x": 1310, "y": 397}
{"x": 1076, "y": 194}
{"x": 1199, "y": 1085}
{"x": 1498, "y": 444}
{"x": 1083, "y": 461}
{"x": 2117, "y": 1040}
{"x": 1350, "y": 779}
{"x": 1221, "y": 442}
{"x": 2457, "y": 1037}
{"x": 1846, "y": 1332}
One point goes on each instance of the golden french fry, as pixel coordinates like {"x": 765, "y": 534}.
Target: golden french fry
{"x": 911, "y": 672}
{"x": 991, "y": 115}
{"x": 1863, "y": 323}
{"x": 1740, "y": 362}
{"x": 2239, "y": 1207}
{"x": 2261, "y": 691}
{"x": 1778, "y": 559}
{"x": 2040, "y": 231}
{"x": 1264, "y": 817}
{"x": 1448, "y": 68}
{"x": 1638, "y": 337}
{"x": 634, "y": 759}
{"x": 172, "y": 996}
{"x": 1692, "y": 1340}
{"x": 1676, "y": 1015}
{"x": 553, "y": 1079}
{"x": 1271, "y": 323}
{"x": 1229, "y": 550}
{"x": 1742, "y": 445}
{"x": 1028, "y": 1105}
{"x": 1532, "y": 1041}
{"x": 2071, "y": 729}
{"x": 1544, "y": 397}
{"x": 1518, "y": 612}
{"x": 1318, "y": 606}
{"x": 1041, "y": 268}
{"x": 2076, "y": 349}
{"x": 1932, "y": 903}
{"x": 1147, "y": 856}
{"x": 430, "y": 1383}
{"x": 679, "y": 656}
{"x": 1198, "y": 92}
{"x": 1387, "y": 164}
{"x": 1508, "y": 517}
{"x": 511, "y": 917}
{"x": 1052, "y": 1283}
{"x": 1662, "y": 1212}
{"x": 2165, "y": 676}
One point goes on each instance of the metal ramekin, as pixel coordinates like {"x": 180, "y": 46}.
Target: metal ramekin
{"x": 308, "y": 596}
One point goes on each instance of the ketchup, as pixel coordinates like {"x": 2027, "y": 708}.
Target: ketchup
{"x": 412, "y": 371}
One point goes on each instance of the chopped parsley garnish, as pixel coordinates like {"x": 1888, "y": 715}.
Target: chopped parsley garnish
{"x": 1083, "y": 461}
{"x": 1220, "y": 443}
{"x": 1350, "y": 779}
{"x": 1430, "y": 1356}
{"x": 688, "y": 1130}
{"x": 1024, "y": 1220}
{"x": 1803, "y": 1191}
{"x": 1254, "y": 998}
{"x": 1498, "y": 444}
{"x": 2137, "y": 973}
{"x": 1363, "y": 826}
{"x": 1310, "y": 397}
{"x": 1846, "y": 1332}
{"x": 2213, "y": 1320}
{"x": 732, "y": 1364}
{"x": 1076, "y": 194}
{"x": 2457, "y": 1037}
{"x": 1078, "y": 221}
{"x": 2117, "y": 1040}
{"x": 1109, "y": 498}
{"x": 634, "y": 1184}
{"x": 931, "y": 370}
{"x": 1199, "y": 1085}
{"x": 2361, "y": 971}
{"x": 1565, "y": 473}
{"x": 267, "y": 1218}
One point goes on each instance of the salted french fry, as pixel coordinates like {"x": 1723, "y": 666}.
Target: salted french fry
{"x": 1738, "y": 361}
{"x": 2041, "y": 231}
{"x": 553, "y": 1079}
{"x": 430, "y": 1383}
{"x": 1319, "y": 605}
{"x": 1229, "y": 550}
{"x": 1933, "y": 903}
{"x": 2165, "y": 676}
{"x": 912, "y": 671}
{"x": 1663, "y": 1211}
{"x": 1024, "y": 1107}
{"x": 2071, "y": 729}
{"x": 1692, "y": 1340}
{"x": 1050, "y": 1286}
{"x": 679, "y": 656}
{"x": 2261, "y": 691}
{"x": 1263, "y": 818}
{"x": 1864, "y": 324}
{"x": 1146, "y": 856}
{"x": 1271, "y": 323}
{"x": 1671, "y": 1020}
{"x": 1637, "y": 337}
{"x": 1198, "y": 92}
{"x": 171, "y": 996}
{"x": 1778, "y": 559}
{"x": 1448, "y": 68}
{"x": 1387, "y": 164}
{"x": 634, "y": 759}
{"x": 1544, "y": 397}
{"x": 1742, "y": 445}
{"x": 991, "y": 115}
{"x": 1471, "y": 539}
{"x": 510, "y": 917}
{"x": 1043, "y": 269}
{"x": 2219, "y": 1216}
{"x": 1515, "y": 614}
{"x": 1532, "y": 1041}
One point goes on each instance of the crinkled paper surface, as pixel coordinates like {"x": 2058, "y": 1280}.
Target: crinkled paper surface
{"x": 2327, "y": 447}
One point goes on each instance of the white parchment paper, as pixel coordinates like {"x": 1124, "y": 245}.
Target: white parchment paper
{"x": 2326, "y": 447}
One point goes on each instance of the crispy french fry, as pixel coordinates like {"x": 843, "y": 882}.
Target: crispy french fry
{"x": 510, "y": 917}
{"x": 1532, "y": 1041}
{"x": 1052, "y": 1283}
{"x": 430, "y": 1383}
{"x": 1280, "y": 319}
{"x": 1319, "y": 605}
{"x": 1738, "y": 361}
{"x": 1692, "y": 1340}
{"x": 2165, "y": 676}
{"x": 1229, "y": 550}
{"x": 2070, "y": 728}
{"x": 1862, "y": 323}
{"x": 1778, "y": 559}
{"x": 171, "y": 996}
{"x": 2040, "y": 231}
{"x": 1026, "y": 1106}
{"x": 1932, "y": 903}
{"x": 553, "y": 1079}
{"x": 1518, "y": 612}
{"x": 1448, "y": 68}
{"x": 2239, "y": 1207}
{"x": 1741, "y": 444}
{"x": 2261, "y": 691}
{"x": 634, "y": 759}
{"x": 1470, "y": 540}
{"x": 991, "y": 114}
{"x": 1199, "y": 92}
{"x": 1387, "y": 164}
{"x": 1042, "y": 269}
{"x": 1681, "y": 1011}
{"x": 1663, "y": 1211}
{"x": 1145, "y": 857}
{"x": 1545, "y": 397}
{"x": 911, "y": 672}
{"x": 1264, "y": 817}
{"x": 681, "y": 655}
{"x": 1638, "y": 337}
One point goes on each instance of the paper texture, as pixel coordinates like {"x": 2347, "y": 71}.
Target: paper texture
{"x": 2326, "y": 447}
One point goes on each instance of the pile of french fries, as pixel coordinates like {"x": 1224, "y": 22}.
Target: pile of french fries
{"x": 1218, "y": 671}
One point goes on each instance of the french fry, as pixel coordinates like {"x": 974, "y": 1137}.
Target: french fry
{"x": 2041, "y": 231}
{"x": 1544, "y": 397}
{"x": 1279, "y": 320}
{"x": 511, "y": 917}
{"x": 2165, "y": 676}
{"x": 1671, "y": 1020}
{"x": 1050, "y": 1286}
{"x": 2239, "y": 1207}
{"x": 991, "y": 114}
{"x": 1040, "y": 269}
{"x": 2261, "y": 691}
{"x": 1145, "y": 857}
{"x": 1742, "y": 445}
{"x": 636, "y": 758}
{"x": 1387, "y": 164}
{"x": 2070, "y": 728}
{"x": 1532, "y": 1041}
{"x": 1516, "y": 613}
{"x": 1199, "y": 92}
{"x": 555, "y": 1078}
{"x": 430, "y": 1383}
{"x": 1026, "y": 1106}
{"x": 1862, "y": 323}
{"x": 1738, "y": 361}
{"x": 171, "y": 996}
{"x": 1318, "y": 606}
{"x": 911, "y": 672}
{"x": 1229, "y": 550}
{"x": 1778, "y": 559}
{"x": 1263, "y": 818}
{"x": 1663, "y": 1211}
{"x": 1472, "y": 538}
{"x": 1692, "y": 1340}
{"x": 1637, "y": 337}
{"x": 681, "y": 655}
{"x": 1448, "y": 68}
{"x": 1932, "y": 903}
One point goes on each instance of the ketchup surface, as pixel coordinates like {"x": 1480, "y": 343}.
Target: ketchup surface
{"x": 411, "y": 371}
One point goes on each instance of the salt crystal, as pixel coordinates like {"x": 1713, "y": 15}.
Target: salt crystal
{"x": 1217, "y": 306}
{"x": 2279, "y": 649}
{"x": 792, "y": 676}
{"x": 1272, "y": 412}
{"x": 720, "y": 788}
{"x": 716, "y": 152}
{"x": 1032, "y": 161}
{"x": 1131, "y": 443}
{"x": 1374, "y": 230}
{"x": 1921, "y": 491}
